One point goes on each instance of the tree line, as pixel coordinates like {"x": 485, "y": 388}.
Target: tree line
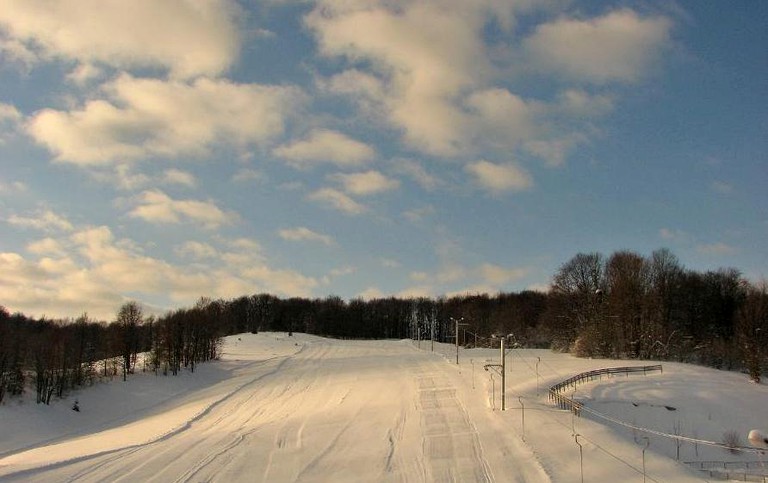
{"x": 632, "y": 307}
{"x": 625, "y": 306}
{"x": 55, "y": 356}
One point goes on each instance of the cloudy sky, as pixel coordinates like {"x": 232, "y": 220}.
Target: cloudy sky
{"x": 160, "y": 151}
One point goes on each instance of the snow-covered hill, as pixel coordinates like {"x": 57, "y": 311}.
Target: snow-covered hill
{"x": 304, "y": 408}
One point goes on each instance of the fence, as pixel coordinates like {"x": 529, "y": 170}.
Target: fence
{"x": 733, "y": 470}
{"x": 565, "y": 402}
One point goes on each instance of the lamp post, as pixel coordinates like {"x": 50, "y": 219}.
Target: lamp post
{"x": 432, "y": 332}
{"x": 458, "y": 323}
{"x": 647, "y": 443}
{"x": 502, "y": 368}
{"x": 503, "y": 376}
{"x": 581, "y": 456}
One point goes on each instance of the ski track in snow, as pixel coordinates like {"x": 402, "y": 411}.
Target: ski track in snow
{"x": 307, "y": 409}
{"x": 353, "y": 411}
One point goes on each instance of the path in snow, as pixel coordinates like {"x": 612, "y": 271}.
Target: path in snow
{"x": 334, "y": 411}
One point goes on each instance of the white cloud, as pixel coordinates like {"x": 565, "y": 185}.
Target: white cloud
{"x": 13, "y": 187}
{"x": 44, "y": 219}
{"x": 179, "y": 177}
{"x": 342, "y": 271}
{"x": 371, "y": 293}
{"x": 367, "y": 183}
{"x": 450, "y": 273}
{"x": 418, "y": 214}
{"x": 10, "y": 118}
{"x": 196, "y": 250}
{"x": 90, "y": 270}
{"x": 247, "y": 174}
{"x": 302, "y": 233}
{"x": 418, "y": 69}
{"x": 389, "y": 263}
{"x": 499, "y": 178}
{"x": 15, "y": 51}
{"x": 502, "y": 118}
{"x": 29, "y": 287}
{"x": 124, "y": 178}
{"x": 419, "y": 276}
{"x": 323, "y": 145}
{"x": 498, "y": 276}
{"x": 416, "y": 171}
{"x": 437, "y": 91}
{"x": 673, "y": 234}
{"x": 187, "y": 37}
{"x": 285, "y": 282}
{"x": 619, "y": 46}
{"x": 150, "y": 117}
{"x": 579, "y": 102}
{"x": 554, "y": 151}
{"x": 46, "y": 246}
{"x": 337, "y": 200}
{"x": 9, "y": 112}
{"x": 84, "y": 73}
{"x": 154, "y": 206}
{"x": 716, "y": 249}
{"x": 366, "y": 89}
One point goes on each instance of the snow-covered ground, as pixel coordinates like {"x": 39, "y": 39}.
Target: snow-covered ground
{"x": 304, "y": 408}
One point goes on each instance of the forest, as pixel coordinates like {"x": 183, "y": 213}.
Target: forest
{"x": 625, "y": 306}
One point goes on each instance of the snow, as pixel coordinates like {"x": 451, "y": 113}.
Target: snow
{"x": 304, "y": 408}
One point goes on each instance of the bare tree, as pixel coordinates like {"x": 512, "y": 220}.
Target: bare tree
{"x": 578, "y": 287}
{"x": 129, "y": 319}
{"x": 627, "y": 283}
{"x": 752, "y": 330}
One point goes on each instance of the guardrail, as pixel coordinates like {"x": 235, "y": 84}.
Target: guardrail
{"x": 565, "y": 402}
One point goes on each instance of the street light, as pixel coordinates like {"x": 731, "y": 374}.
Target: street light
{"x": 501, "y": 368}
{"x": 581, "y": 456}
{"x": 647, "y": 443}
{"x": 457, "y": 322}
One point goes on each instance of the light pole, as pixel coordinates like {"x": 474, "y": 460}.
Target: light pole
{"x": 581, "y": 456}
{"x": 647, "y": 443}
{"x": 503, "y": 376}
{"x": 503, "y": 369}
{"x": 457, "y": 322}
{"x": 432, "y": 332}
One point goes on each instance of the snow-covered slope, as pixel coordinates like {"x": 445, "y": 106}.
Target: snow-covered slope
{"x": 303, "y": 408}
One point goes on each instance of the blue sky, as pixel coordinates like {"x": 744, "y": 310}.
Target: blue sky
{"x": 162, "y": 151}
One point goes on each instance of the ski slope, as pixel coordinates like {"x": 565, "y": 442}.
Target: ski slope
{"x": 303, "y": 408}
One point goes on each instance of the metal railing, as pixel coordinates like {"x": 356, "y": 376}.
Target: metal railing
{"x": 733, "y": 470}
{"x": 557, "y": 397}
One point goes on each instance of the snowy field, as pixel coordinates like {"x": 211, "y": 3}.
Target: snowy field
{"x": 303, "y": 408}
